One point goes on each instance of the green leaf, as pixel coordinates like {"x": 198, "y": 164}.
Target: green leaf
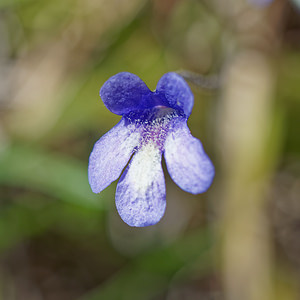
{"x": 56, "y": 175}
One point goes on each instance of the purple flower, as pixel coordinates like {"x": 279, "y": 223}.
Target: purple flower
{"x": 152, "y": 124}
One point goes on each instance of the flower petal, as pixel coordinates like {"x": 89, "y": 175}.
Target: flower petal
{"x": 141, "y": 193}
{"x": 110, "y": 155}
{"x": 124, "y": 92}
{"x": 176, "y": 91}
{"x": 187, "y": 163}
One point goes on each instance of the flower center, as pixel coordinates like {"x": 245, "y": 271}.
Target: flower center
{"x": 153, "y": 124}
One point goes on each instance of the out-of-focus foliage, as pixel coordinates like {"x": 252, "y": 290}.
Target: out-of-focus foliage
{"x": 58, "y": 240}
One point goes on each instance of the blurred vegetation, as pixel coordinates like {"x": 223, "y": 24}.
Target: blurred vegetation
{"x": 59, "y": 241}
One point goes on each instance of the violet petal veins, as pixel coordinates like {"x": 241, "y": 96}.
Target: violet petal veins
{"x": 152, "y": 124}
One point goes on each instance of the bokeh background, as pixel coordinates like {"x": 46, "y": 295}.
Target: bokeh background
{"x": 239, "y": 240}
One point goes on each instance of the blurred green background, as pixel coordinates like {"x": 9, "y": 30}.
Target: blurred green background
{"x": 239, "y": 240}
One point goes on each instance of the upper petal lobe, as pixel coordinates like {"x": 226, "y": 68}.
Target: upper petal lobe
{"x": 176, "y": 91}
{"x": 187, "y": 163}
{"x": 124, "y": 92}
{"x": 110, "y": 155}
{"x": 141, "y": 194}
